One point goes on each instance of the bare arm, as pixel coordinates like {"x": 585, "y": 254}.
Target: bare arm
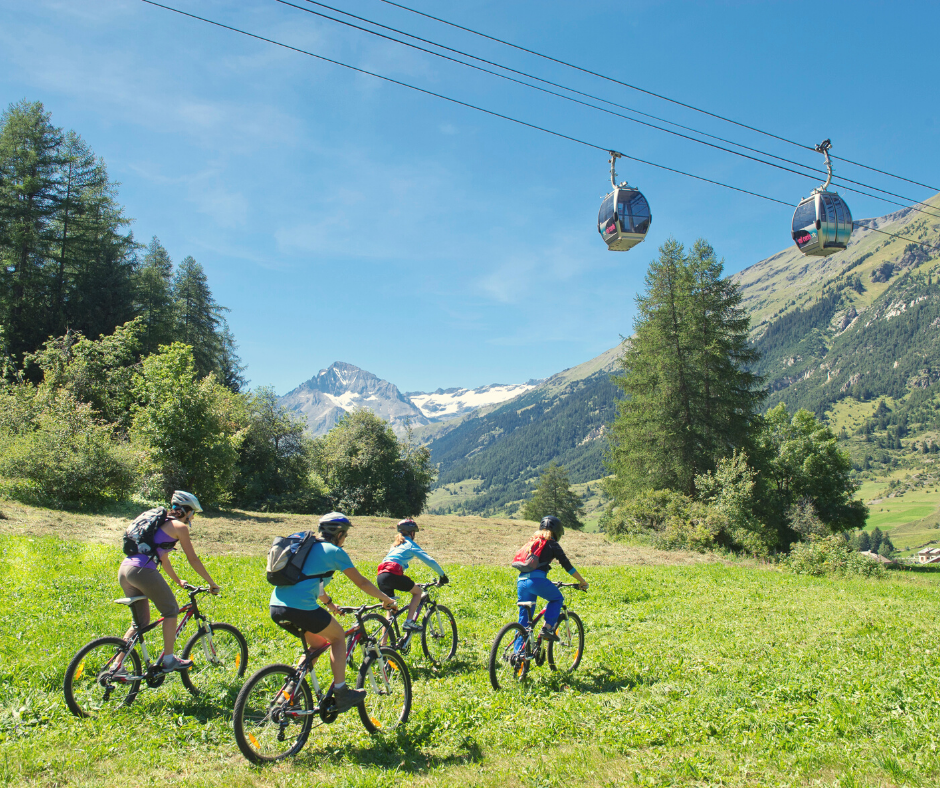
{"x": 182, "y": 533}
{"x": 577, "y": 576}
{"x": 170, "y": 572}
{"x": 366, "y": 585}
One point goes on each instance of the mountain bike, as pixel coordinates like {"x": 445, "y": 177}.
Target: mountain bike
{"x": 438, "y": 628}
{"x": 106, "y": 673}
{"x": 517, "y": 647}
{"x": 277, "y": 708}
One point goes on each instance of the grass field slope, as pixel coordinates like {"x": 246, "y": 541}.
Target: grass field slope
{"x": 697, "y": 673}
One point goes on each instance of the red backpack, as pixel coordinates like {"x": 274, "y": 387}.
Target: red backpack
{"x": 529, "y": 557}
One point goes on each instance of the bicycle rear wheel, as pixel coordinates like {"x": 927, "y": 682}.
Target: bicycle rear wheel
{"x": 509, "y": 657}
{"x": 273, "y": 716}
{"x": 378, "y": 627}
{"x": 93, "y": 685}
{"x": 388, "y": 684}
{"x": 566, "y": 653}
{"x": 439, "y": 635}
{"x": 219, "y": 661}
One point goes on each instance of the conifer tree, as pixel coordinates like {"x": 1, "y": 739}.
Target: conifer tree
{"x": 690, "y": 398}
{"x": 197, "y": 315}
{"x": 30, "y": 158}
{"x": 155, "y": 297}
{"x": 554, "y": 496}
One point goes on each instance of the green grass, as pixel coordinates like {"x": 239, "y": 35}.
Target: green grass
{"x": 705, "y": 675}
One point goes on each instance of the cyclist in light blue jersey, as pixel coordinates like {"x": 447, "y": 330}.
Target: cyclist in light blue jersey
{"x": 392, "y": 575}
{"x": 297, "y": 608}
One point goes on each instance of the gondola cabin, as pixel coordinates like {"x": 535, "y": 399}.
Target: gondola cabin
{"x": 624, "y": 218}
{"x": 822, "y": 224}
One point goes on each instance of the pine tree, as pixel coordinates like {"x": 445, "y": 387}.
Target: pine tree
{"x": 864, "y": 543}
{"x": 30, "y": 158}
{"x": 690, "y": 397}
{"x": 197, "y": 315}
{"x": 554, "y": 496}
{"x": 155, "y": 297}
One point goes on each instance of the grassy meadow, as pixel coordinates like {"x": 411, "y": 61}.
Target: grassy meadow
{"x": 696, "y": 672}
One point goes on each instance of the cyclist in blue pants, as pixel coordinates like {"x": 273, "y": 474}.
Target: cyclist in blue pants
{"x": 534, "y": 584}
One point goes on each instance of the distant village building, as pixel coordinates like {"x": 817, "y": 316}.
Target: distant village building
{"x": 929, "y": 555}
{"x": 879, "y": 558}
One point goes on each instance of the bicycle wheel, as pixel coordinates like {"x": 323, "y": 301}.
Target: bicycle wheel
{"x": 219, "y": 660}
{"x": 93, "y": 686}
{"x": 269, "y": 725}
{"x": 377, "y": 627}
{"x": 439, "y": 635}
{"x": 388, "y": 684}
{"x": 509, "y": 657}
{"x": 565, "y": 654}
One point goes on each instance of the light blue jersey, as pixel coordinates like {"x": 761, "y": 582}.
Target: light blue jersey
{"x": 403, "y": 553}
{"x": 323, "y": 557}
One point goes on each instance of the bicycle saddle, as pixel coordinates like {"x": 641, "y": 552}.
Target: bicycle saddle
{"x": 129, "y": 600}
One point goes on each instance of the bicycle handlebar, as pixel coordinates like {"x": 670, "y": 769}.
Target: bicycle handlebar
{"x": 358, "y": 611}
{"x": 193, "y": 590}
{"x": 568, "y": 585}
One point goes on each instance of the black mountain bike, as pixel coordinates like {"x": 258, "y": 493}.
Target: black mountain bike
{"x": 517, "y": 648}
{"x": 276, "y": 709}
{"x": 106, "y": 673}
{"x": 438, "y": 628}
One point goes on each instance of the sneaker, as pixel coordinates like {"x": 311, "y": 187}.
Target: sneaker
{"x": 548, "y": 635}
{"x": 175, "y": 663}
{"x": 345, "y": 698}
{"x": 411, "y": 626}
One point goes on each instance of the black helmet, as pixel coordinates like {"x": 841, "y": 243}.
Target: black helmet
{"x": 553, "y": 524}
{"x": 334, "y": 524}
{"x": 407, "y": 526}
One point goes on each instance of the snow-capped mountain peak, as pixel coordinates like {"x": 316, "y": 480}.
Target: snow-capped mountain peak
{"x": 449, "y": 403}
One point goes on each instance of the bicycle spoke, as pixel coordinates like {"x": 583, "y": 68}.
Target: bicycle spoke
{"x": 273, "y": 717}
{"x": 388, "y": 686}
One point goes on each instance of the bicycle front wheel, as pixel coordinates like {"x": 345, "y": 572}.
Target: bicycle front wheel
{"x": 388, "y": 686}
{"x": 94, "y": 685}
{"x": 566, "y": 653}
{"x": 509, "y": 659}
{"x": 377, "y": 628}
{"x": 220, "y": 656}
{"x": 273, "y": 716}
{"x": 439, "y": 635}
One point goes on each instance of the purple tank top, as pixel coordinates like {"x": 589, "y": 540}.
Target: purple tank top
{"x": 142, "y": 561}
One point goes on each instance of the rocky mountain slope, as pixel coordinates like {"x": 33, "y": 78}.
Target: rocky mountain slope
{"x": 340, "y": 388}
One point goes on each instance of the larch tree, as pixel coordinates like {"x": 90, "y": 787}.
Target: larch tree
{"x": 155, "y": 297}
{"x": 690, "y": 399}
{"x": 197, "y": 315}
{"x": 553, "y": 496}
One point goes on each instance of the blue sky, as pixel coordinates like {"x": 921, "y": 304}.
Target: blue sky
{"x": 342, "y": 218}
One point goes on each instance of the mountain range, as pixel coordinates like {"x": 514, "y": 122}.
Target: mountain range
{"x": 858, "y": 325}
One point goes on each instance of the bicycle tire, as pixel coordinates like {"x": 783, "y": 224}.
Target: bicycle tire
{"x": 215, "y": 674}
{"x": 565, "y": 653}
{"x": 260, "y": 723}
{"x": 388, "y": 686}
{"x": 84, "y": 694}
{"x": 509, "y": 664}
{"x": 439, "y": 634}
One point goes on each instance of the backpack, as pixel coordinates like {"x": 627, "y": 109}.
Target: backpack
{"x": 286, "y": 558}
{"x": 529, "y": 557}
{"x": 140, "y": 534}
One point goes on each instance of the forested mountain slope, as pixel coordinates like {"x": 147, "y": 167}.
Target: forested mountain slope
{"x": 863, "y": 323}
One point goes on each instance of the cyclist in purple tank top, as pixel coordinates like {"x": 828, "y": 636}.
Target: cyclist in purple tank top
{"x": 139, "y": 574}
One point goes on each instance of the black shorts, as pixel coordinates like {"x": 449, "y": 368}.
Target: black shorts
{"x": 389, "y": 583}
{"x": 296, "y": 621}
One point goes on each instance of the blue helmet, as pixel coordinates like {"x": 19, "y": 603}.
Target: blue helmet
{"x": 334, "y": 523}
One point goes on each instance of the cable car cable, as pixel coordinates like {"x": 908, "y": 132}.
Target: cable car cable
{"x": 457, "y": 101}
{"x": 643, "y": 90}
{"x": 840, "y": 182}
{"x": 490, "y": 112}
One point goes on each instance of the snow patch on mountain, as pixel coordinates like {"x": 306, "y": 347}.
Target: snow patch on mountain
{"x": 450, "y": 403}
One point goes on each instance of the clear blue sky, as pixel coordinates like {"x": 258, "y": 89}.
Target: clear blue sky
{"x": 342, "y": 218}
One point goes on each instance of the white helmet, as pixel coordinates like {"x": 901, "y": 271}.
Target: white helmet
{"x": 182, "y": 498}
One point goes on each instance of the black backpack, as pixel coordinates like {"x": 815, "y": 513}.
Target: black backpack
{"x": 140, "y": 534}
{"x": 286, "y": 558}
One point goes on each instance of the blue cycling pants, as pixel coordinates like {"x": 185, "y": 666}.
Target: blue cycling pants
{"x": 530, "y": 588}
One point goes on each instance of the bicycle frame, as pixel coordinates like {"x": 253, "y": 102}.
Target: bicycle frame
{"x": 533, "y": 641}
{"x": 355, "y": 636}
{"x": 403, "y": 643}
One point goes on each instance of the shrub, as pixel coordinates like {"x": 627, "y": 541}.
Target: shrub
{"x": 646, "y": 513}
{"x": 830, "y": 555}
{"x": 52, "y": 448}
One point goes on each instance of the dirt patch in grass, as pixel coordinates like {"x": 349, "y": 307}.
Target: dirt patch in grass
{"x": 452, "y": 539}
